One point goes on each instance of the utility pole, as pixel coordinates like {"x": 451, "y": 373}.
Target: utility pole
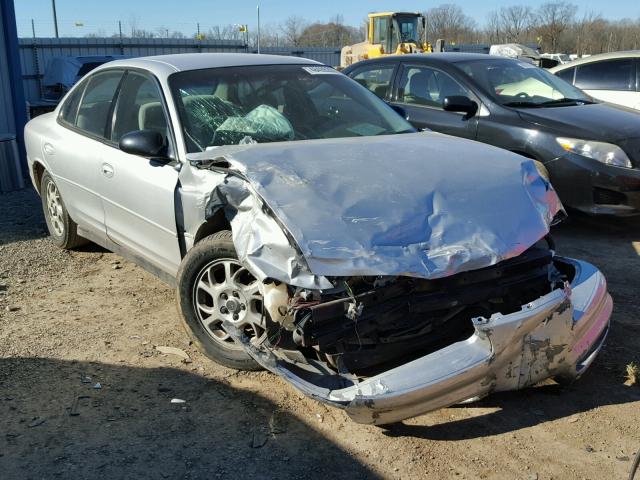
{"x": 55, "y": 17}
{"x": 258, "y": 31}
{"x": 120, "y": 33}
{"x": 33, "y": 28}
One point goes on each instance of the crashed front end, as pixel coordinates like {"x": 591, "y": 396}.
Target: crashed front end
{"x": 392, "y": 298}
{"x": 381, "y": 373}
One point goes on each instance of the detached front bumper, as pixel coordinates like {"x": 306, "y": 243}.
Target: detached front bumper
{"x": 557, "y": 335}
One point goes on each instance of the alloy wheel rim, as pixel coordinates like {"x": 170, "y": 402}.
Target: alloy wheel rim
{"x": 226, "y": 290}
{"x": 54, "y": 209}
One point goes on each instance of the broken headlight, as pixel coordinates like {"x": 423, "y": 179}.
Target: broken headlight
{"x": 606, "y": 153}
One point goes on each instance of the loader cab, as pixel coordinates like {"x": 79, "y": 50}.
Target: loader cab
{"x": 387, "y": 31}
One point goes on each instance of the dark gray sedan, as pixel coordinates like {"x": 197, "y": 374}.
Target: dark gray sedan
{"x": 590, "y": 149}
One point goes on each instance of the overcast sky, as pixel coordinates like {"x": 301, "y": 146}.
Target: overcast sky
{"x": 183, "y": 15}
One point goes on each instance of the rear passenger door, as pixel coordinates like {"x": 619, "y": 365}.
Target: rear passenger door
{"x": 76, "y": 148}
{"x": 613, "y": 81}
{"x": 420, "y": 91}
{"x": 137, "y": 192}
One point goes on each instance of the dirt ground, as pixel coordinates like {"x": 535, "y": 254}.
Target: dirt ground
{"x": 84, "y": 393}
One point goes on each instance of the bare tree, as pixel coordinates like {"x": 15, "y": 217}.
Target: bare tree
{"x": 224, "y": 32}
{"x": 553, "y": 25}
{"x": 516, "y": 22}
{"x": 590, "y": 34}
{"x": 292, "y": 29}
{"x": 328, "y": 35}
{"x": 553, "y": 19}
{"x": 493, "y": 30}
{"x": 163, "y": 32}
{"x": 449, "y": 22}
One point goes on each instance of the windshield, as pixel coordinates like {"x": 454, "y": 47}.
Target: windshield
{"x": 520, "y": 84}
{"x": 407, "y": 28}
{"x": 277, "y": 103}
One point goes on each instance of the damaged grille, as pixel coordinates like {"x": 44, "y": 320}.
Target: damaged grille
{"x": 372, "y": 328}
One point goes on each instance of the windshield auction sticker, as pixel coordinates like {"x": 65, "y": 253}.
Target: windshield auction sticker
{"x": 320, "y": 70}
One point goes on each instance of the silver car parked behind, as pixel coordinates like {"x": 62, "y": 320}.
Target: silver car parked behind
{"x": 310, "y": 230}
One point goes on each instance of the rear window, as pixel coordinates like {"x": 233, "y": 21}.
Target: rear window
{"x": 606, "y": 75}
{"x": 70, "y": 107}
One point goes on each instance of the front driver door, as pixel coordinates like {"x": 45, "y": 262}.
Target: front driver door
{"x": 420, "y": 92}
{"x": 137, "y": 192}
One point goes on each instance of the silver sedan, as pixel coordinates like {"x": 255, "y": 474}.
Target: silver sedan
{"x": 310, "y": 230}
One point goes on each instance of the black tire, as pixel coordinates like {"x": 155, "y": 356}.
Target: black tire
{"x": 67, "y": 236}
{"x": 217, "y": 246}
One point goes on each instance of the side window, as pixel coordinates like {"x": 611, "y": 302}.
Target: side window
{"x": 375, "y": 78}
{"x": 69, "y": 109}
{"x": 427, "y": 86}
{"x": 380, "y": 30}
{"x": 139, "y": 107}
{"x": 93, "y": 114}
{"x": 567, "y": 75}
{"x": 607, "y": 75}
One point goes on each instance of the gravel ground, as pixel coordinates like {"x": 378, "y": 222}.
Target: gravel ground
{"x": 85, "y": 393}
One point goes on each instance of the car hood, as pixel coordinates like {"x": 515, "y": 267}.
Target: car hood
{"x": 598, "y": 121}
{"x": 425, "y": 205}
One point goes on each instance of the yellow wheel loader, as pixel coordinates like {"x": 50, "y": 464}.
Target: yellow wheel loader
{"x": 389, "y": 33}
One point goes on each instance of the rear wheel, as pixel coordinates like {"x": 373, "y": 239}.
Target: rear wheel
{"x": 213, "y": 287}
{"x": 63, "y": 230}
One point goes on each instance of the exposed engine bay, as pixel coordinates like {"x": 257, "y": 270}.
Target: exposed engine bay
{"x": 367, "y": 325}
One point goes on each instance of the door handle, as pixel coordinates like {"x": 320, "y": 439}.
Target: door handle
{"x": 107, "y": 170}
{"x": 49, "y": 149}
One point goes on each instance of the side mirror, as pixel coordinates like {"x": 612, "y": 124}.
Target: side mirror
{"x": 460, "y": 103}
{"x": 400, "y": 111}
{"x": 145, "y": 143}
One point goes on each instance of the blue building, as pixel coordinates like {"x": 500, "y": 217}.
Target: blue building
{"x": 13, "y": 109}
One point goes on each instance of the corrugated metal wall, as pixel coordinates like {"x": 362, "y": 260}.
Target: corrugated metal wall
{"x": 7, "y": 122}
{"x": 326, "y": 55}
{"x": 13, "y": 112}
{"x": 35, "y": 53}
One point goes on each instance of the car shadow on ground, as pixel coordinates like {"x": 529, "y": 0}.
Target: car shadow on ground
{"x": 21, "y": 216}
{"x": 56, "y": 423}
{"x": 21, "y": 219}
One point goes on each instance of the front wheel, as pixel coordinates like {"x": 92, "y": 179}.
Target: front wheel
{"x": 213, "y": 286}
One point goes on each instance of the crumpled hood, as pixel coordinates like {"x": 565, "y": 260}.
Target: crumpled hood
{"x": 424, "y": 205}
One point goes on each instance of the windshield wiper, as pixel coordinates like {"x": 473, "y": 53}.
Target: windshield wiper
{"x": 522, "y": 104}
{"x": 566, "y": 100}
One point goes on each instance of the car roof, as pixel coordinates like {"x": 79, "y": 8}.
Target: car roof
{"x": 167, "y": 64}
{"x": 444, "y": 57}
{"x": 597, "y": 58}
